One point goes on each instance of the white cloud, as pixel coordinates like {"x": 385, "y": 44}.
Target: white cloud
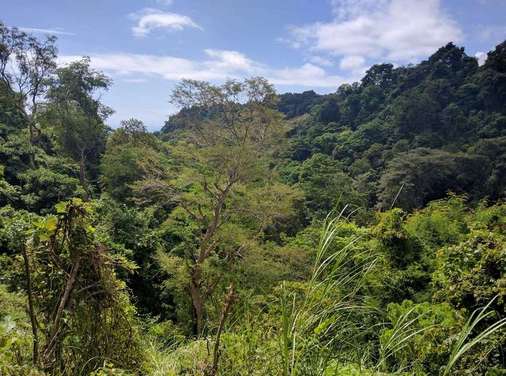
{"x": 307, "y": 75}
{"x": 218, "y": 65}
{"x": 125, "y": 64}
{"x": 344, "y": 9}
{"x": 481, "y": 56}
{"x": 352, "y": 62}
{"x": 321, "y": 61}
{"x": 393, "y": 30}
{"x": 54, "y": 31}
{"x": 230, "y": 59}
{"x": 153, "y": 19}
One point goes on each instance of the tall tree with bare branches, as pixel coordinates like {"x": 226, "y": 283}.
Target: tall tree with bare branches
{"x": 227, "y": 143}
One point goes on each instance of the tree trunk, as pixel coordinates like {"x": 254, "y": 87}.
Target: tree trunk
{"x": 31, "y": 309}
{"x": 206, "y": 247}
{"x": 196, "y": 296}
{"x": 82, "y": 174}
{"x": 55, "y": 327}
{"x": 227, "y": 304}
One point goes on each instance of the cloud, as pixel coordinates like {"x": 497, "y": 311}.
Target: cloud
{"x": 321, "y": 61}
{"x": 307, "y": 75}
{"x": 230, "y": 59}
{"x": 154, "y": 19}
{"x": 54, "y": 31}
{"x": 344, "y": 9}
{"x": 218, "y": 65}
{"x": 352, "y": 62}
{"x": 481, "y": 56}
{"x": 393, "y": 30}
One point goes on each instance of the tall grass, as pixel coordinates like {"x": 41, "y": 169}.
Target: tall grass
{"x": 319, "y": 320}
{"x": 464, "y": 343}
{"x": 403, "y": 332}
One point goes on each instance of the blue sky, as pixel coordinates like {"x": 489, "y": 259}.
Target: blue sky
{"x": 146, "y": 46}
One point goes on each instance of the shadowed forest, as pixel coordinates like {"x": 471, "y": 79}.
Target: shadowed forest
{"x": 361, "y": 232}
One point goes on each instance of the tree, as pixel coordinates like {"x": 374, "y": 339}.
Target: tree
{"x": 222, "y": 183}
{"x": 414, "y": 178}
{"x": 327, "y": 111}
{"x": 326, "y": 186}
{"x": 472, "y": 272}
{"x": 35, "y": 177}
{"x": 129, "y": 152}
{"x": 294, "y": 104}
{"x": 26, "y": 64}
{"x": 76, "y": 300}
{"x": 77, "y": 117}
{"x": 381, "y": 75}
{"x": 415, "y": 112}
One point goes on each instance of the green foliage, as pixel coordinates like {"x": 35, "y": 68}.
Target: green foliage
{"x": 464, "y": 344}
{"x": 130, "y": 153}
{"x": 336, "y": 369}
{"x": 422, "y": 175}
{"x": 419, "y": 337}
{"x": 33, "y": 178}
{"x": 326, "y": 186}
{"x": 83, "y": 308}
{"x": 412, "y": 130}
{"x": 440, "y": 223}
{"x": 15, "y": 335}
{"x": 76, "y": 118}
{"x": 117, "y": 247}
{"x": 405, "y": 265}
{"x": 472, "y": 272}
{"x": 320, "y": 319}
{"x": 60, "y": 245}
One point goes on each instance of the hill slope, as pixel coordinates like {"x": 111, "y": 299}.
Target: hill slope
{"x": 425, "y": 130}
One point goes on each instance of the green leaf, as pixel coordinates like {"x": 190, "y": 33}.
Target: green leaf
{"x": 61, "y": 207}
{"x": 51, "y": 223}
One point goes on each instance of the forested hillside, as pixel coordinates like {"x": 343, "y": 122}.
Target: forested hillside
{"x": 361, "y": 232}
{"x": 431, "y": 128}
